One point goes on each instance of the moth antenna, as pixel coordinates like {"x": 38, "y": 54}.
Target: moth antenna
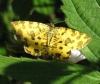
{"x": 58, "y": 22}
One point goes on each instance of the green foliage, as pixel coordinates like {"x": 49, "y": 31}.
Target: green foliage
{"x": 84, "y": 16}
{"x": 80, "y": 15}
{"x": 6, "y": 15}
{"x": 37, "y": 10}
{"x": 46, "y": 72}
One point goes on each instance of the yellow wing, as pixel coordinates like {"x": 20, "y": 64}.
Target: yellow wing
{"x": 35, "y": 35}
{"x": 42, "y": 39}
{"x": 64, "y": 40}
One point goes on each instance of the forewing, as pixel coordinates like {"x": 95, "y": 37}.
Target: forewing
{"x": 34, "y": 34}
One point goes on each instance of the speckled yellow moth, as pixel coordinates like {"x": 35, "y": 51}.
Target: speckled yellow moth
{"x": 42, "y": 39}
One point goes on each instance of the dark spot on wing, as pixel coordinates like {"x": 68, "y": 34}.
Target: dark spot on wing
{"x": 33, "y": 38}
{"x": 36, "y": 43}
{"x": 57, "y": 54}
{"x": 60, "y": 41}
{"x": 60, "y": 48}
{"x": 36, "y": 50}
{"x": 39, "y": 38}
{"x": 68, "y": 52}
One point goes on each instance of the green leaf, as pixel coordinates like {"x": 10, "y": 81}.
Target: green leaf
{"x": 3, "y": 51}
{"x": 44, "y": 6}
{"x": 84, "y": 16}
{"x": 47, "y": 72}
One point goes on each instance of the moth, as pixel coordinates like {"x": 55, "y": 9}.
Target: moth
{"x": 48, "y": 40}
